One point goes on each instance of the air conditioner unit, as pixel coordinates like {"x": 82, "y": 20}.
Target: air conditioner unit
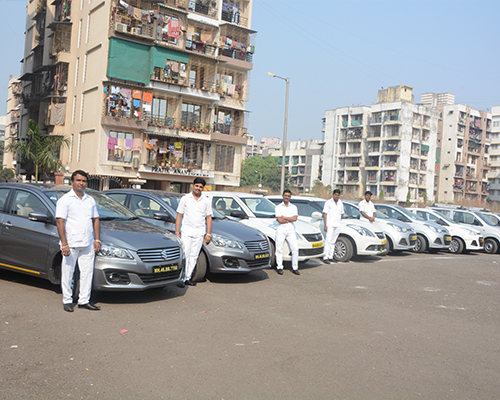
{"x": 120, "y": 27}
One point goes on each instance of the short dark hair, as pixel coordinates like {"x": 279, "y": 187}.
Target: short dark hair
{"x": 368, "y": 192}
{"x": 199, "y": 180}
{"x": 79, "y": 172}
{"x": 287, "y": 191}
{"x": 336, "y": 191}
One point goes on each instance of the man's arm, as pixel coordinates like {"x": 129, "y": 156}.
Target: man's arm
{"x": 61, "y": 230}
{"x": 325, "y": 217}
{"x": 97, "y": 233}
{"x": 178, "y": 224}
{"x": 208, "y": 236}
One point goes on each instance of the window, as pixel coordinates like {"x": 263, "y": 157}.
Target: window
{"x": 169, "y": 31}
{"x": 224, "y": 158}
{"x": 3, "y": 198}
{"x": 144, "y": 206}
{"x": 120, "y": 146}
{"x": 191, "y": 115}
{"x": 304, "y": 208}
{"x": 225, "y": 205}
{"x": 25, "y": 203}
{"x": 197, "y": 77}
{"x": 119, "y": 197}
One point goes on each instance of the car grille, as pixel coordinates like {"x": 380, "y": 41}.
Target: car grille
{"x": 258, "y": 263}
{"x": 159, "y": 255}
{"x": 163, "y": 276}
{"x": 311, "y": 252}
{"x": 380, "y": 235}
{"x": 313, "y": 237}
{"x": 257, "y": 246}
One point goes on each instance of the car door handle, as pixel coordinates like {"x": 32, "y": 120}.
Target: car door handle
{"x": 7, "y": 224}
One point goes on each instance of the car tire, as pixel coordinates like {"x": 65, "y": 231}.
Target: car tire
{"x": 200, "y": 270}
{"x": 490, "y": 246}
{"x": 272, "y": 251}
{"x": 420, "y": 245}
{"x": 457, "y": 246}
{"x": 343, "y": 249}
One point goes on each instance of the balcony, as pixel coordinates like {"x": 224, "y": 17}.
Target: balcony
{"x": 204, "y": 8}
{"x": 344, "y": 124}
{"x": 390, "y": 148}
{"x": 356, "y": 122}
{"x": 233, "y": 15}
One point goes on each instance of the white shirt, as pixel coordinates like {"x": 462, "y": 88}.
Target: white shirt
{"x": 334, "y": 213}
{"x": 78, "y": 214}
{"x": 367, "y": 207}
{"x": 286, "y": 211}
{"x": 194, "y": 213}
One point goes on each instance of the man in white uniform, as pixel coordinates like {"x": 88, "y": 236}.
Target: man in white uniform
{"x": 286, "y": 215}
{"x": 193, "y": 210}
{"x": 333, "y": 211}
{"x": 367, "y": 208}
{"x": 79, "y": 231}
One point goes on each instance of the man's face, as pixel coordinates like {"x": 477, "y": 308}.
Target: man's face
{"x": 336, "y": 197}
{"x": 368, "y": 197}
{"x": 286, "y": 197}
{"x": 79, "y": 183}
{"x": 197, "y": 189}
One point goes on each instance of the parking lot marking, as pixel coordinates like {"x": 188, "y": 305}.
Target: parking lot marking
{"x": 486, "y": 283}
{"x": 430, "y": 289}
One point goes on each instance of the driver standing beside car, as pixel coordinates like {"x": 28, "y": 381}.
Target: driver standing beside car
{"x": 333, "y": 211}
{"x": 79, "y": 230}
{"x": 286, "y": 215}
{"x": 367, "y": 208}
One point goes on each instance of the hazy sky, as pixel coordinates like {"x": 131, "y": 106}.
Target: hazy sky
{"x": 340, "y": 53}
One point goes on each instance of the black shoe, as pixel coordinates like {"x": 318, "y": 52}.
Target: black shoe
{"x": 190, "y": 282}
{"x": 69, "y": 307}
{"x": 181, "y": 285}
{"x": 333, "y": 260}
{"x": 295, "y": 271}
{"x": 279, "y": 271}
{"x": 89, "y": 306}
{"x": 326, "y": 261}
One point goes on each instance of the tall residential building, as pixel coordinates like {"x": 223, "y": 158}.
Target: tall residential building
{"x": 270, "y": 144}
{"x": 303, "y": 161}
{"x": 144, "y": 89}
{"x": 465, "y": 142}
{"x": 253, "y": 148}
{"x": 13, "y": 112}
{"x": 389, "y": 147}
{"x": 494, "y": 159}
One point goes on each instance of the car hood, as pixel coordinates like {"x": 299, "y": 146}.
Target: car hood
{"x": 235, "y": 230}
{"x": 383, "y": 222}
{"x": 421, "y": 225}
{"x": 136, "y": 234}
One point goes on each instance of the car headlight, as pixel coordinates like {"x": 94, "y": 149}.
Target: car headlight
{"x": 436, "y": 229}
{"x": 109, "y": 250}
{"x": 397, "y": 227}
{"x": 361, "y": 230}
{"x": 221, "y": 241}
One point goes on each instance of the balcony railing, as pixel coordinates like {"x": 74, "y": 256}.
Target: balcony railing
{"x": 236, "y": 54}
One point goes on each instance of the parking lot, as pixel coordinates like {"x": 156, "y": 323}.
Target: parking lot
{"x": 409, "y": 326}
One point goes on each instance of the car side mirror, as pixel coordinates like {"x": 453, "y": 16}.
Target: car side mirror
{"x": 441, "y": 222}
{"x": 239, "y": 214}
{"x": 163, "y": 217}
{"x": 316, "y": 215}
{"x": 38, "y": 217}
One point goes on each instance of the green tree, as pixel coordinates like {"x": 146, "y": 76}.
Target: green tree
{"x": 253, "y": 167}
{"x": 320, "y": 190}
{"x": 381, "y": 194}
{"x": 41, "y": 150}
{"x": 6, "y": 173}
{"x": 408, "y": 198}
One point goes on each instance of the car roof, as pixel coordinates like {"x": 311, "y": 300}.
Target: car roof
{"x": 152, "y": 191}
{"x": 236, "y": 194}
{"x": 312, "y": 198}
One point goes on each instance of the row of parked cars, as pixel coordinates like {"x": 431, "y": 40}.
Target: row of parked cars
{"x": 140, "y": 251}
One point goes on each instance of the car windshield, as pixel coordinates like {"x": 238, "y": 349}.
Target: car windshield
{"x": 318, "y": 204}
{"x": 409, "y": 214}
{"x": 107, "y": 208}
{"x": 483, "y": 218}
{"x": 378, "y": 214}
{"x": 260, "y": 206}
{"x": 171, "y": 201}
{"x": 447, "y": 219}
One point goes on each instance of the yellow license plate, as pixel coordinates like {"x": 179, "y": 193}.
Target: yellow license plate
{"x": 481, "y": 241}
{"x": 384, "y": 241}
{"x": 165, "y": 268}
{"x": 317, "y": 244}
{"x": 413, "y": 238}
{"x": 448, "y": 238}
{"x": 259, "y": 256}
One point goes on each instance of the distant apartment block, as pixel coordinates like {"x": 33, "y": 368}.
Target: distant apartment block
{"x": 389, "y": 148}
{"x": 494, "y": 155}
{"x": 270, "y": 144}
{"x": 253, "y": 148}
{"x": 13, "y": 110}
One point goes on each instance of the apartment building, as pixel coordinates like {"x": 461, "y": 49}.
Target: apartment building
{"x": 253, "y": 148}
{"x": 494, "y": 155}
{"x": 465, "y": 144}
{"x": 148, "y": 92}
{"x": 389, "y": 148}
{"x": 303, "y": 162}
{"x": 13, "y": 112}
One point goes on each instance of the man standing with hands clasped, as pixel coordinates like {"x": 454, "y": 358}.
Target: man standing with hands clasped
{"x": 286, "y": 215}
{"x": 333, "y": 211}
{"x": 79, "y": 230}
{"x": 193, "y": 210}
{"x": 367, "y": 208}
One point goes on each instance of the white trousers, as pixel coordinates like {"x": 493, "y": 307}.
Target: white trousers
{"x": 191, "y": 246}
{"x": 286, "y": 232}
{"x": 331, "y": 238}
{"x": 85, "y": 257}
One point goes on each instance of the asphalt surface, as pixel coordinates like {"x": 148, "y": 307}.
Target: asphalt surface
{"x": 413, "y": 326}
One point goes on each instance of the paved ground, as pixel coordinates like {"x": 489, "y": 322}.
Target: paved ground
{"x": 415, "y": 326}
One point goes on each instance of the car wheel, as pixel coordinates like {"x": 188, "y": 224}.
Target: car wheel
{"x": 200, "y": 270}
{"x": 272, "y": 251}
{"x": 420, "y": 245}
{"x": 490, "y": 246}
{"x": 456, "y": 246}
{"x": 343, "y": 249}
